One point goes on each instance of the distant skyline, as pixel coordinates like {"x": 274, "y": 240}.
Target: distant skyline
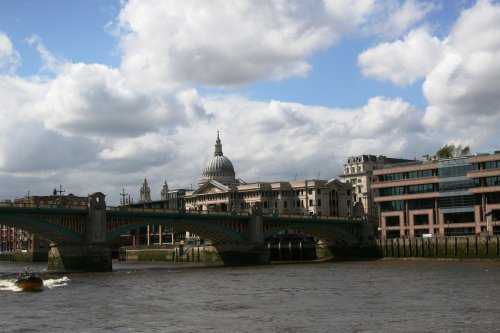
{"x": 96, "y": 95}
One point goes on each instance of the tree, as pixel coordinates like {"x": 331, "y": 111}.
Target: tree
{"x": 450, "y": 151}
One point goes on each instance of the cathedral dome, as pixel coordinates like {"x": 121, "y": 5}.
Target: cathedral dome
{"x": 218, "y": 164}
{"x": 219, "y": 167}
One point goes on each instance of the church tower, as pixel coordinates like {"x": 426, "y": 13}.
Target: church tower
{"x": 164, "y": 191}
{"x": 145, "y": 192}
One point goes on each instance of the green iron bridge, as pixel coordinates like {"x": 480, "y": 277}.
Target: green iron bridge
{"x": 81, "y": 235}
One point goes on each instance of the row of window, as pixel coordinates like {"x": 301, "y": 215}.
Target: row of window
{"x": 390, "y": 191}
{"x": 353, "y": 170}
{"x": 406, "y": 175}
{"x": 442, "y": 172}
{"x": 442, "y": 187}
{"x": 412, "y": 189}
{"x": 492, "y": 165}
{"x": 420, "y": 174}
{"x": 422, "y": 188}
{"x": 271, "y": 194}
{"x": 391, "y": 177}
{"x": 492, "y": 181}
{"x": 459, "y": 185}
{"x": 295, "y": 204}
{"x": 444, "y": 202}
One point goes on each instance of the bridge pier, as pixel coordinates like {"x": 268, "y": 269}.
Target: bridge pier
{"x": 243, "y": 254}
{"x": 92, "y": 256}
{"x": 79, "y": 258}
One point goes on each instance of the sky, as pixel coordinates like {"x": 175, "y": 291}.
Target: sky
{"x": 97, "y": 95}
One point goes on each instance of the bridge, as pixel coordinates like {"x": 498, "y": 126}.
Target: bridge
{"x": 81, "y": 235}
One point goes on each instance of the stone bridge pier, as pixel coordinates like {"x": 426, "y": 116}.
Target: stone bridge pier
{"x": 94, "y": 255}
{"x": 255, "y": 251}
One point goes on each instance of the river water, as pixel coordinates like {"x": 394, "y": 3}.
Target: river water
{"x": 373, "y": 296}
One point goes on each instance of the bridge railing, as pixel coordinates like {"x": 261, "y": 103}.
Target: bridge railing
{"x": 171, "y": 211}
{"x": 36, "y": 205}
{"x": 316, "y": 217}
{"x": 214, "y": 212}
{"x": 141, "y": 209}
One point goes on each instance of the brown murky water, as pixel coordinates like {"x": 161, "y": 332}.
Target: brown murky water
{"x": 378, "y": 296}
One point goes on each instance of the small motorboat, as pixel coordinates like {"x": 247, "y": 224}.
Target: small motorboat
{"x": 29, "y": 281}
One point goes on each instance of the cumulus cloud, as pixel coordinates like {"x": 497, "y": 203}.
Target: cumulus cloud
{"x": 404, "y": 61}
{"x": 393, "y": 18}
{"x": 462, "y": 90}
{"x": 382, "y": 117}
{"x": 460, "y": 73}
{"x": 9, "y": 58}
{"x": 221, "y": 43}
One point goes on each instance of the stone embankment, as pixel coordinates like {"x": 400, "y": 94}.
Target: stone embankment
{"x": 459, "y": 247}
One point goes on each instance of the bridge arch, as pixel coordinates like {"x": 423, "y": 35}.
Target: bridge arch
{"x": 40, "y": 227}
{"x": 215, "y": 232}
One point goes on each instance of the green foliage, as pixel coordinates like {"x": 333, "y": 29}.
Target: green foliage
{"x": 450, "y": 151}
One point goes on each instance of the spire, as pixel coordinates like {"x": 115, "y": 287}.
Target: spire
{"x": 218, "y": 146}
{"x": 164, "y": 191}
{"x": 145, "y": 191}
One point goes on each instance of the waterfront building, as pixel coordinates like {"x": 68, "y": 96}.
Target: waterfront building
{"x": 358, "y": 171}
{"x": 440, "y": 197}
{"x": 220, "y": 190}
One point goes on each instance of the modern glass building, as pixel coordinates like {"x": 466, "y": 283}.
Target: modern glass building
{"x": 458, "y": 196}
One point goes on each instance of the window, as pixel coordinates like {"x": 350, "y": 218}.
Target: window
{"x": 457, "y": 185}
{"x": 456, "y": 201}
{"x": 392, "y": 221}
{"x": 390, "y": 206}
{"x": 421, "y": 204}
{"x": 311, "y": 202}
{"x": 455, "y": 171}
{"x": 391, "y": 177}
{"x": 319, "y": 202}
{"x": 399, "y": 190}
{"x": 492, "y": 165}
{"x": 421, "y": 219}
{"x": 318, "y": 191}
{"x": 285, "y": 204}
{"x": 423, "y": 188}
{"x": 420, "y": 174}
{"x": 492, "y": 181}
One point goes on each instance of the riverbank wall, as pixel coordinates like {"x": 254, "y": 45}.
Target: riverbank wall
{"x": 18, "y": 256}
{"x": 453, "y": 247}
{"x": 228, "y": 254}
